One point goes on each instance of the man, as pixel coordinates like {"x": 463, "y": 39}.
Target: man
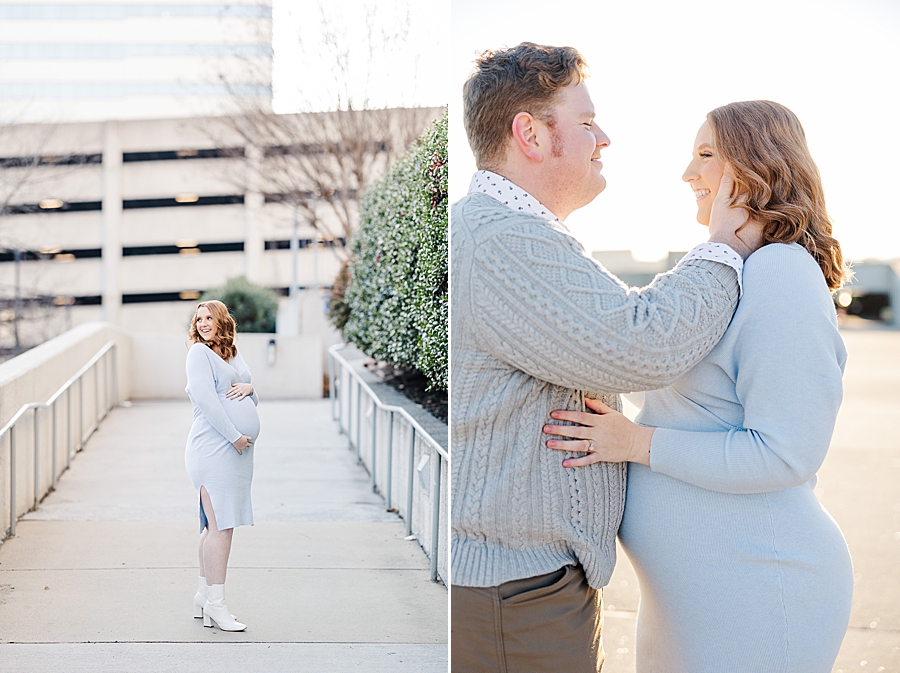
{"x": 537, "y": 326}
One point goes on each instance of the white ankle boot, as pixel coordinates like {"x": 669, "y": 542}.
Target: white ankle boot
{"x": 200, "y": 599}
{"x": 216, "y": 611}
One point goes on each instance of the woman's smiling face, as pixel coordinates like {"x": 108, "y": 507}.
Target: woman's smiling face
{"x": 206, "y": 324}
{"x": 704, "y": 173}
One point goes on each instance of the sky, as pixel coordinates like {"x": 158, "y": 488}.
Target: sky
{"x": 404, "y": 71}
{"x": 657, "y": 67}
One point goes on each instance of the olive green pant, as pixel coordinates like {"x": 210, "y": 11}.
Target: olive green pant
{"x": 546, "y": 624}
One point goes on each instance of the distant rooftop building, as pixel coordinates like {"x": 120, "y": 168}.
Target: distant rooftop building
{"x": 631, "y": 271}
{"x": 78, "y": 61}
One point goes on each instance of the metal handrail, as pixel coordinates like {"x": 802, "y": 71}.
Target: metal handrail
{"x": 415, "y": 430}
{"x": 110, "y": 393}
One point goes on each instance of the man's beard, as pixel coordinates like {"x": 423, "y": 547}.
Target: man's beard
{"x": 556, "y": 142}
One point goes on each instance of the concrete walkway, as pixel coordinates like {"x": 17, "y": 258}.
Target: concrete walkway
{"x": 100, "y": 578}
{"x": 859, "y": 484}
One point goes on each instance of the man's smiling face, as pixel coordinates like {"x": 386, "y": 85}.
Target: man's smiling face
{"x": 573, "y": 165}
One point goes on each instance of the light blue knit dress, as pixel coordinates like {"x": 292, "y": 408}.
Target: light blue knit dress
{"x": 210, "y": 458}
{"x": 741, "y": 569}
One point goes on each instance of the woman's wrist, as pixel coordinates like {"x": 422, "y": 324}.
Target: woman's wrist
{"x": 640, "y": 447}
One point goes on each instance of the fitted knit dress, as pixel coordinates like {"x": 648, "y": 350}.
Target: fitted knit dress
{"x": 210, "y": 458}
{"x": 741, "y": 569}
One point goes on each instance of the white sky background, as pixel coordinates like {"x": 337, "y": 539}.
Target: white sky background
{"x": 657, "y": 68}
{"x": 413, "y": 73}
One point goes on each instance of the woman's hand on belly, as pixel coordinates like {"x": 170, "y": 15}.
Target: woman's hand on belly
{"x": 242, "y": 444}
{"x": 239, "y": 391}
{"x": 607, "y": 436}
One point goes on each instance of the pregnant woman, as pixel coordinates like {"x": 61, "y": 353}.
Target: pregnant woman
{"x": 219, "y": 453}
{"x": 741, "y": 569}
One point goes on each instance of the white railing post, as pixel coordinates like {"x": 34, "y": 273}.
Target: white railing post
{"x": 374, "y": 445}
{"x": 435, "y": 514}
{"x": 390, "y": 461}
{"x": 37, "y": 462}
{"x": 12, "y": 481}
{"x": 115, "y": 374}
{"x": 53, "y": 434}
{"x": 358, "y": 420}
{"x": 409, "y": 479}
{"x": 68, "y": 428}
{"x": 80, "y": 414}
{"x": 97, "y": 415}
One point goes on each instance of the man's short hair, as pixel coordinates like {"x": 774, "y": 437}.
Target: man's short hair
{"x": 524, "y": 78}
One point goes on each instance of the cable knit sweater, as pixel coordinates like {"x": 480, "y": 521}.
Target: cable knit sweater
{"x": 537, "y": 325}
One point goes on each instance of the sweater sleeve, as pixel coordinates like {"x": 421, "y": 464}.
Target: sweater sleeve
{"x": 789, "y": 359}
{"x": 202, "y": 389}
{"x": 542, "y": 306}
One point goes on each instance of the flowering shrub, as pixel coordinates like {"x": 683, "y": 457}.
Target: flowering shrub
{"x": 398, "y": 284}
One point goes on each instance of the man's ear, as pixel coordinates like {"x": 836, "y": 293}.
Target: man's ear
{"x": 524, "y": 131}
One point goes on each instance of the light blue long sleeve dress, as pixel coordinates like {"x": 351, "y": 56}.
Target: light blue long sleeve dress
{"x": 741, "y": 568}
{"x": 210, "y": 458}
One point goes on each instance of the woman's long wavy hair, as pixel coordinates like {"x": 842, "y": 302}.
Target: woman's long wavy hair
{"x": 776, "y": 181}
{"x": 223, "y": 343}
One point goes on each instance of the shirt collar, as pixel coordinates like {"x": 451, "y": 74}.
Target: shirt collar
{"x": 513, "y": 196}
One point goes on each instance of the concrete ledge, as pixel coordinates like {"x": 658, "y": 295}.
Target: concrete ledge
{"x": 36, "y": 374}
{"x": 34, "y": 377}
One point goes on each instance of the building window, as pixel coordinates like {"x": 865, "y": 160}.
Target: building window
{"x": 64, "y": 160}
{"x": 174, "y": 155}
{"x": 183, "y": 200}
{"x": 51, "y": 206}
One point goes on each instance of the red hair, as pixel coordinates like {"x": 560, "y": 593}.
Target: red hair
{"x": 776, "y": 180}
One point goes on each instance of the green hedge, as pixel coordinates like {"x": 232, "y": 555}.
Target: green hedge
{"x": 253, "y": 307}
{"x": 398, "y": 285}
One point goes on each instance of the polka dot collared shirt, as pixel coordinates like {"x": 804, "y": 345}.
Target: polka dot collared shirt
{"x": 510, "y": 194}
{"x": 718, "y": 252}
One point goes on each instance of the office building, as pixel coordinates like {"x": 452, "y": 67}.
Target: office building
{"x": 86, "y": 61}
{"x": 130, "y": 221}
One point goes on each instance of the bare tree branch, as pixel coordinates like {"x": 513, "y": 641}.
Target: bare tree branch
{"x": 30, "y": 172}
{"x": 329, "y": 158}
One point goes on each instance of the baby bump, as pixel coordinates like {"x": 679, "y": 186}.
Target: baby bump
{"x": 670, "y": 529}
{"x": 666, "y": 526}
{"x": 243, "y": 415}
